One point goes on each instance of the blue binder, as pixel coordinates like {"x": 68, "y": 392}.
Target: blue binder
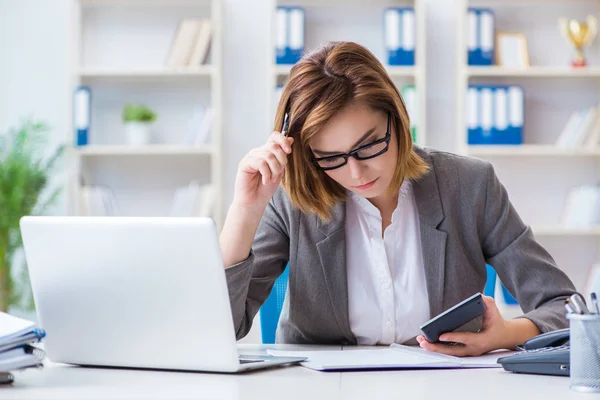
{"x": 495, "y": 114}
{"x": 481, "y": 36}
{"x": 289, "y": 43}
{"x": 82, "y": 98}
{"x": 399, "y": 35}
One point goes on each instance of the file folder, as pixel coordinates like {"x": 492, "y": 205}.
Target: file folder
{"x": 480, "y": 36}
{"x": 289, "y": 40}
{"x": 400, "y": 35}
{"x": 82, "y": 114}
{"x": 495, "y": 114}
{"x": 409, "y": 95}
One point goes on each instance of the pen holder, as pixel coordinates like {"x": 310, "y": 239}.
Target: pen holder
{"x": 585, "y": 352}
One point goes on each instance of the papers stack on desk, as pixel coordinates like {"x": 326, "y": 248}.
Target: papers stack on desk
{"x": 16, "y": 351}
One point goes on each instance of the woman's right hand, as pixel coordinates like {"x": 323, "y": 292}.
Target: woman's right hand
{"x": 260, "y": 172}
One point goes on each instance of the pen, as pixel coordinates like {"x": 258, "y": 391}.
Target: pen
{"x": 569, "y": 308}
{"x": 578, "y": 304}
{"x": 595, "y": 302}
{"x": 285, "y": 125}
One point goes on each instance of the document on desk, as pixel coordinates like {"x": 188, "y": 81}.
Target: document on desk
{"x": 395, "y": 356}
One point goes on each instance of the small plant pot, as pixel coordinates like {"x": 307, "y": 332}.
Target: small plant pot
{"x": 137, "y": 133}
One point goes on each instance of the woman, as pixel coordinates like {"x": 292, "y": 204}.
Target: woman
{"x": 380, "y": 235}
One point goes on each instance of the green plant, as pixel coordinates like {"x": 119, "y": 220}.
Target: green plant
{"x": 138, "y": 113}
{"x": 25, "y": 170}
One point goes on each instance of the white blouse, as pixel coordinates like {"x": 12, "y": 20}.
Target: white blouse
{"x": 387, "y": 291}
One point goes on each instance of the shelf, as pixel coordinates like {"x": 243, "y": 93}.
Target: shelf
{"x": 558, "y": 230}
{"x": 533, "y": 72}
{"x": 393, "y": 71}
{"x": 531, "y": 150}
{"x": 143, "y": 3}
{"x": 204, "y": 71}
{"x": 149, "y": 150}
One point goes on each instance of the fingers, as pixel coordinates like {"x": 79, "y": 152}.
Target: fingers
{"x": 460, "y": 337}
{"x": 270, "y": 159}
{"x": 283, "y": 141}
{"x": 459, "y": 350}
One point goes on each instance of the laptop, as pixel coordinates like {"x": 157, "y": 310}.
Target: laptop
{"x": 139, "y": 292}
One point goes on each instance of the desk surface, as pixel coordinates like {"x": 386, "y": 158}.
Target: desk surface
{"x": 57, "y": 381}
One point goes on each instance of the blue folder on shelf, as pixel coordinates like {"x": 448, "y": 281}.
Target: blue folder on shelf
{"x": 289, "y": 29}
{"x": 82, "y": 114}
{"x": 495, "y": 114}
{"x": 480, "y": 36}
{"x": 399, "y": 35}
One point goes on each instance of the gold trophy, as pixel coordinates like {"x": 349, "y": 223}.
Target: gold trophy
{"x": 580, "y": 34}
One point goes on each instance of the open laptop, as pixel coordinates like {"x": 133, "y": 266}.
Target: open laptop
{"x": 134, "y": 292}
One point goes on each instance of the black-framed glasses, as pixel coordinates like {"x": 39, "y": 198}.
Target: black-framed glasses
{"x": 365, "y": 152}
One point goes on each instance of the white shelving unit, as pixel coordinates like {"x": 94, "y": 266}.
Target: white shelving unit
{"x": 360, "y": 21}
{"x": 538, "y": 174}
{"x": 119, "y": 49}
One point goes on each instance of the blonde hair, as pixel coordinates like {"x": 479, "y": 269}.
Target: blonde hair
{"x": 321, "y": 84}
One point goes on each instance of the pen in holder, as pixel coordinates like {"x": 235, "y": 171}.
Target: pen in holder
{"x": 585, "y": 349}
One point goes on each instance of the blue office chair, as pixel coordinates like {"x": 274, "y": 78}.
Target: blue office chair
{"x": 490, "y": 285}
{"x": 271, "y": 308}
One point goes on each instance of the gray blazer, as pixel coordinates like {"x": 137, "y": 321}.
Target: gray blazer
{"x": 466, "y": 220}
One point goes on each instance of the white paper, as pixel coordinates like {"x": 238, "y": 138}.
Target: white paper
{"x": 395, "y": 356}
{"x": 11, "y": 326}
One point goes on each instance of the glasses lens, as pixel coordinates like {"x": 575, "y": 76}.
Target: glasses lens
{"x": 331, "y": 162}
{"x": 372, "y": 150}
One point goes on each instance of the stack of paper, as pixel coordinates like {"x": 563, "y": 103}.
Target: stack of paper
{"x": 16, "y": 351}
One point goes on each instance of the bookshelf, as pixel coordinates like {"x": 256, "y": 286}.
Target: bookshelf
{"x": 539, "y": 174}
{"x": 119, "y": 50}
{"x": 360, "y": 21}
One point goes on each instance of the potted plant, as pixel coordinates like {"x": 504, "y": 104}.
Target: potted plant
{"x": 138, "y": 119}
{"x": 25, "y": 171}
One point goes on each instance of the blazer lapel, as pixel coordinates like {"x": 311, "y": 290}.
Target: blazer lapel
{"x": 332, "y": 254}
{"x": 433, "y": 241}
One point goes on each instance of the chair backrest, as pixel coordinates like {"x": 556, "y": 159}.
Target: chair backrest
{"x": 490, "y": 287}
{"x": 271, "y": 309}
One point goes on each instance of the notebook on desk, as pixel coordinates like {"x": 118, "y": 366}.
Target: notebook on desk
{"x": 395, "y": 356}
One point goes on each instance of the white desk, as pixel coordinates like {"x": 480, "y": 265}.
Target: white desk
{"x": 57, "y": 381}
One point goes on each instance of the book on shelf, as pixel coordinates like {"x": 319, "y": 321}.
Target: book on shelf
{"x": 409, "y": 94}
{"x": 193, "y": 200}
{"x": 200, "y": 126}
{"x": 98, "y": 201}
{"x": 191, "y": 44}
{"x": 582, "y": 129}
{"x": 582, "y": 207}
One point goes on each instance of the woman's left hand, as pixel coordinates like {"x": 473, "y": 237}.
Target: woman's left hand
{"x": 494, "y": 333}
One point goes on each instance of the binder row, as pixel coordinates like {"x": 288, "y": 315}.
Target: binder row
{"x": 480, "y": 38}
{"x": 495, "y": 114}
{"x": 399, "y": 35}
